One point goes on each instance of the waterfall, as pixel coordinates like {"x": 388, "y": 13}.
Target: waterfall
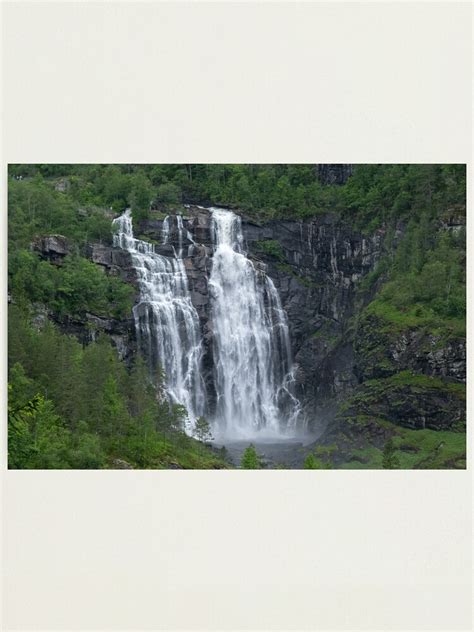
{"x": 165, "y": 230}
{"x": 252, "y": 355}
{"x": 165, "y": 235}
{"x": 166, "y": 321}
{"x": 179, "y": 222}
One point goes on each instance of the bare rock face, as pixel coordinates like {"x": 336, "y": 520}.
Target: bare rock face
{"x": 52, "y": 247}
{"x": 334, "y": 174}
{"x": 117, "y": 262}
{"x": 62, "y": 185}
{"x": 89, "y": 327}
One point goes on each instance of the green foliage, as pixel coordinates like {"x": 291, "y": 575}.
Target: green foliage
{"x": 425, "y": 279}
{"x": 250, "y": 459}
{"x": 272, "y": 248}
{"x": 20, "y": 411}
{"x": 320, "y": 459}
{"x": 414, "y": 449}
{"x": 36, "y": 208}
{"x": 74, "y": 288}
{"x": 406, "y": 399}
{"x": 374, "y": 195}
{"x": 311, "y": 463}
{"x": 378, "y": 194}
{"x": 430, "y": 449}
{"x": 140, "y": 196}
{"x": 390, "y": 460}
{"x": 202, "y": 430}
{"x": 168, "y": 193}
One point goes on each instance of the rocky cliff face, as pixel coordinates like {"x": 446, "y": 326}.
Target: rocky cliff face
{"x": 316, "y": 266}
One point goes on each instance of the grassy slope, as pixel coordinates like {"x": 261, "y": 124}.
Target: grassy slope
{"x": 416, "y": 449}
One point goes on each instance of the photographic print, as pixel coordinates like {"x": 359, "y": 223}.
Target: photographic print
{"x": 220, "y": 316}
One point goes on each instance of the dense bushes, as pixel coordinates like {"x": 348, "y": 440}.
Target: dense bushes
{"x": 73, "y": 288}
{"x": 36, "y": 208}
{"x": 425, "y": 279}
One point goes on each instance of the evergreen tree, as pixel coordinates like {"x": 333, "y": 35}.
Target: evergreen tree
{"x": 390, "y": 460}
{"x": 202, "y": 430}
{"x": 86, "y": 450}
{"x": 311, "y": 463}
{"x": 114, "y": 413}
{"x": 20, "y": 446}
{"x": 320, "y": 460}
{"x": 52, "y": 440}
{"x": 250, "y": 459}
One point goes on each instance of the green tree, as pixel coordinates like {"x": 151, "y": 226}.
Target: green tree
{"x": 250, "y": 459}
{"x": 202, "y": 430}
{"x": 114, "y": 413}
{"x": 20, "y": 413}
{"x": 52, "y": 440}
{"x": 142, "y": 395}
{"x": 320, "y": 459}
{"x": 390, "y": 460}
{"x": 140, "y": 195}
{"x": 86, "y": 451}
{"x": 311, "y": 463}
{"x": 168, "y": 193}
{"x": 114, "y": 185}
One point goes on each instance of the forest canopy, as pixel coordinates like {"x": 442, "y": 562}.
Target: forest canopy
{"x": 372, "y": 195}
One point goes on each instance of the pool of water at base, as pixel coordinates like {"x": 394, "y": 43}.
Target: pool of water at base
{"x": 274, "y": 454}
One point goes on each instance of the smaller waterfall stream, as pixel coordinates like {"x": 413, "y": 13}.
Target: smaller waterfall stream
{"x": 165, "y": 230}
{"x": 166, "y": 321}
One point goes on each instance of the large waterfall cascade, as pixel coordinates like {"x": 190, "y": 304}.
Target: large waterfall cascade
{"x": 252, "y": 353}
{"x": 253, "y": 373}
{"x": 166, "y": 321}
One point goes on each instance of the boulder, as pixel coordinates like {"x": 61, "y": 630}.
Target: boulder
{"x": 52, "y": 247}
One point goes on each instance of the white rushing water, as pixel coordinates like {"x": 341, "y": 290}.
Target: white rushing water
{"x": 252, "y": 354}
{"x": 165, "y": 230}
{"x": 167, "y": 323}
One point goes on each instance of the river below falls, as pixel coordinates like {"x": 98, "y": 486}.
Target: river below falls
{"x": 288, "y": 454}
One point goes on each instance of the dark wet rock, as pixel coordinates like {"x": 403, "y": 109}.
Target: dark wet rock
{"x": 88, "y": 327}
{"x": 410, "y": 401}
{"x": 52, "y": 247}
{"x": 117, "y": 262}
{"x": 334, "y": 174}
